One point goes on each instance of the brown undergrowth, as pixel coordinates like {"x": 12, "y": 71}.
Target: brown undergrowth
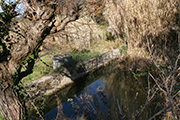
{"x": 135, "y": 20}
{"x": 166, "y": 84}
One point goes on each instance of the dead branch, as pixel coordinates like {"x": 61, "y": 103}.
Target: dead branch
{"x": 159, "y": 113}
{"x": 153, "y": 57}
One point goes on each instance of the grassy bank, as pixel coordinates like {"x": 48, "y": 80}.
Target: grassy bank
{"x": 43, "y": 66}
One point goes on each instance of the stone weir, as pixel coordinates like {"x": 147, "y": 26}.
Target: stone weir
{"x": 67, "y": 74}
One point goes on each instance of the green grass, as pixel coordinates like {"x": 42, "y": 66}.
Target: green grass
{"x": 1, "y": 118}
{"x": 83, "y": 56}
{"x": 40, "y": 69}
{"x": 123, "y": 50}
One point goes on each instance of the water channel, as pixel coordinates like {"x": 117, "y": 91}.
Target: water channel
{"x": 108, "y": 93}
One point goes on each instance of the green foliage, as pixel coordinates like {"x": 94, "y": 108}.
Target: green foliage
{"x": 42, "y": 104}
{"x": 15, "y": 73}
{"x": 137, "y": 75}
{"x": 109, "y": 37}
{"x": 35, "y": 109}
{"x": 5, "y": 20}
{"x": 101, "y": 20}
{"x": 18, "y": 88}
{"x": 123, "y": 50}
{"x": 1, "y": 118}
{"x": 98, "y": 16}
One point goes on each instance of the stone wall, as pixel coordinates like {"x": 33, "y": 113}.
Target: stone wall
{"x": 100, "y": 60}
{"x": 50, "y": 84}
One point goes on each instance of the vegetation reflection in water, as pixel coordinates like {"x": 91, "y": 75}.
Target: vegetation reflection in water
{"x": 103, "y": 95}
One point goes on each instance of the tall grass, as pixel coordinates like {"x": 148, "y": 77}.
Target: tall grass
{"x": 154, "y": 24}
{"x": 136, "y": 19}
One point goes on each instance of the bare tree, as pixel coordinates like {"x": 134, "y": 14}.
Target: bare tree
{"x": 166, "y": 83}
{"x": 17, "y": 58}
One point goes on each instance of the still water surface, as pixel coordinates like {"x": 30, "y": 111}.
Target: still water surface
{"x": 108, "y": 93}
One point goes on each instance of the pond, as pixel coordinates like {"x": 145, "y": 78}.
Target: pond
{"x": 108, "y": 93}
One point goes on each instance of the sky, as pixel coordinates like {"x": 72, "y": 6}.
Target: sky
{"x": 0, "y": 10}
{"x": 20, "y": 7}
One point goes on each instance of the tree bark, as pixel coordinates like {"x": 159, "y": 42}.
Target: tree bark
{"x": 9, "y": 102}
{"x": 42, "y": 15}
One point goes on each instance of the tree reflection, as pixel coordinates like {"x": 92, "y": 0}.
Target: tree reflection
{"x": 117, "y": 95}
{"x": 121, "y": 89}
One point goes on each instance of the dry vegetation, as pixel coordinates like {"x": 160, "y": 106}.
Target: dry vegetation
{"x": 157, "y": 19}
{"x": 79, "y": 34}
{"x": 151, "y": 29}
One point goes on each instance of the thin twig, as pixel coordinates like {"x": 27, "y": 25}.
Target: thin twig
{"x": 152, "y": 56}
{"x": 173, "y": 72}
{"x": 176, "y": 94}
{"x": 134, "y": 107}
{"x": 120, "y": 111}
{"x": 127, "y": 104}
{"x": 159, "y": 113}
{"x": 44, "y": 62}
{"x": 147, "y": 102}
{"x": 37, "y": 111}
{"x": 157, "y": 83}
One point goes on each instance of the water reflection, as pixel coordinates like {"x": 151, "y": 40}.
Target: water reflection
{"x": 121, "y": 89}
{"x": 107, "y": 94}
{"x": 76, "y": 105}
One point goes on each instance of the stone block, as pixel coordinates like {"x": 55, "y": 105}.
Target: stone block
{"x": 59, "y": 60}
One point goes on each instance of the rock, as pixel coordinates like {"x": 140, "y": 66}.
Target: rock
{"x": 59, "y": 60}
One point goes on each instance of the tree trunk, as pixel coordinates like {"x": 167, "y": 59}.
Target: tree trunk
{"x": 42, "y": 16}
{"x": 9, "y": 102}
